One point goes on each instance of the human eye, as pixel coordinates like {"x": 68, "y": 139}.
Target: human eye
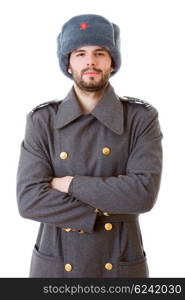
{"x": 99, "y": 53}
{"x": 80, "y": 54}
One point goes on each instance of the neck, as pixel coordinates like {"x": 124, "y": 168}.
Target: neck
{"x": 88, "y": 100}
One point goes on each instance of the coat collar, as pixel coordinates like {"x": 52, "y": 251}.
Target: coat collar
{"x": 109, "y": 110}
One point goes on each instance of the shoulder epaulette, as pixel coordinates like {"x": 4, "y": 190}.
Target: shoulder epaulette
{"x": 44, "y": 105}
{"x": 136, "y": 101}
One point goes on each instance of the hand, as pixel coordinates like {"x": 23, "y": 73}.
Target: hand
{"x": 61, "y": 183}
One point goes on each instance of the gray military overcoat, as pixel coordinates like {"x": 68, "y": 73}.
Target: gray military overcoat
{"x": 115, "y": 156}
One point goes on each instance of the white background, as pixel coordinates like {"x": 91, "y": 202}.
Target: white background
{"x": 153, "y": 69}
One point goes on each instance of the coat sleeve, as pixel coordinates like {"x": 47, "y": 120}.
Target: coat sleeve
{"x": 35, "y": 197}
{"x": 135, "y": 191}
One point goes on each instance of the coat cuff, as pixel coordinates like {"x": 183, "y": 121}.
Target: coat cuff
{"x": 79, "y": 186}
{"x": 82, "y": 186}
{"x": 70, "y": 188}
{"x": 88, "y": 225}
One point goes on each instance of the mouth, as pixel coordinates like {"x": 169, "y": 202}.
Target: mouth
{"x": 91, "y": 73}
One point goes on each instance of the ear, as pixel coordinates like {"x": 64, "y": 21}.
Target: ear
{"x": 69, "y": 70}
{"x": 112, "y": 65}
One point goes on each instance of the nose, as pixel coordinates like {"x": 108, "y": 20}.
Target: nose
{"x": 91, "y": 61}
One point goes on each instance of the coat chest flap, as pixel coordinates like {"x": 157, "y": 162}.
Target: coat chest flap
{"x": 86, "y": 147}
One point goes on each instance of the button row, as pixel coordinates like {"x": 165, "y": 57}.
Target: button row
{"x": 68, "y": 229}
{"x": 98, "y": 211}
{"x": 68, "y": 267}
{"x": 105, "y": 151}
{"x": 107, "y": 226}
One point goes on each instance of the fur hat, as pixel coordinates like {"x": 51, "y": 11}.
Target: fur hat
{"x": 89, "y": 29}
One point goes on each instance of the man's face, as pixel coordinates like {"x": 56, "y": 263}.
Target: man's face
{"x": 90, "y": 67}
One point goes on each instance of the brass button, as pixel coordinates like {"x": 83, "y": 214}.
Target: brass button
{"x": 63, "y": 155}
{"x": 81, "y": 231}
{"x": 106, "y": 150}
{"x": 108, "y": 266}
{"x": 106, "y": 214}
{"x": 68, "y": 267}
{"x": 108, "y": 226}
{"x": 67, "y": 229}
{"x": 96, "y": 210}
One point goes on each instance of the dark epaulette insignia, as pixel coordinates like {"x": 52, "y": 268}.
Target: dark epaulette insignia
{"x": 43, "y": 105}
{"x": 136, "y": 101}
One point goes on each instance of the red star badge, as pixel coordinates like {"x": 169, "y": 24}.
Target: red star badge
{"x": 84, "y": 25}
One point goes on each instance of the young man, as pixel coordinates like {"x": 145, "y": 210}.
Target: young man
{"x": 90, "y": 164}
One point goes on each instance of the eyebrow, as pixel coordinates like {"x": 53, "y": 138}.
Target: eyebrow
{"x": 98, "y": 49}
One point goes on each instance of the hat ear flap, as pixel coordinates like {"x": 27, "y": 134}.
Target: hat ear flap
{"x": 58, "y": 44}
{"x": 117, "y": 40}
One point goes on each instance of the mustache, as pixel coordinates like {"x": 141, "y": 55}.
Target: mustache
{"x": 91, "y": 69}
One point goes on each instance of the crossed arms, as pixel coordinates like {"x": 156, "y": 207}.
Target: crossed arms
{"x": 70, "y": 201}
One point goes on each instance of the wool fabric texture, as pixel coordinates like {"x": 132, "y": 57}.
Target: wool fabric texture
{"x": 88, "y": 29}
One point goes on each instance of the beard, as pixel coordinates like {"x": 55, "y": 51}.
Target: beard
{"x": 92, "y": 85}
